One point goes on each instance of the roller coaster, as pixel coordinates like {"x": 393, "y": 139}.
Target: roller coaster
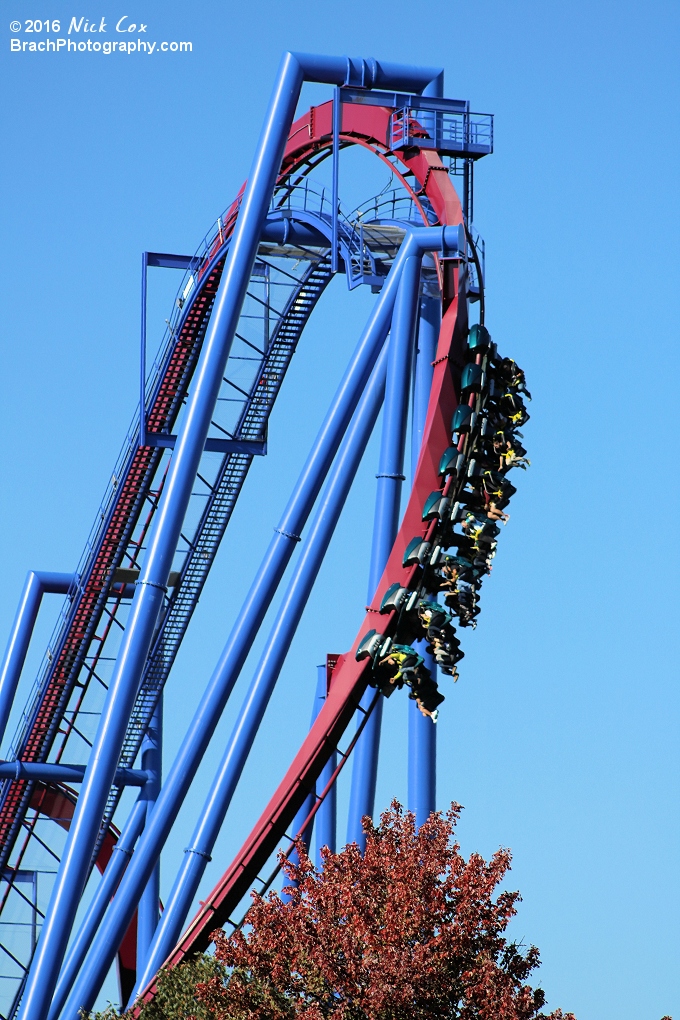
{"x": 92, "y": 724}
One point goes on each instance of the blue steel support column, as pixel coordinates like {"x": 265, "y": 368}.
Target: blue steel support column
{"x": 390, "y": 478}
{"x": 122, "y": 852}
{"x": 310, "y": 799}
{"x": 262, "y": 685}
{"x": 221, "y": 683}
{"x": 337, "y": 120}
{"x": 152, "y": 762}
{"x": 432, "y": 121}
{"x": 326, "y": 820}
{"x": 317, "y": 703}
{"x": 142, "y": 356}
{"x": 422, "y": 735}
{"x": 38, "y": 583}
{"x": 151, "y": 587}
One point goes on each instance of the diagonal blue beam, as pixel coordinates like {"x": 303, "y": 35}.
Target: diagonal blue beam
{"x": 120, "y": 857}
{"x": 152, "y": 761}
{"x": 222, "y": 789}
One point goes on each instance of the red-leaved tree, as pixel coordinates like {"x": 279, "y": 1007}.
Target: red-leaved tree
{"x": 409, "y": 930}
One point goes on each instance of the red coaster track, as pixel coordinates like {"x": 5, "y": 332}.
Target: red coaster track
{"x": 309, "y": 138}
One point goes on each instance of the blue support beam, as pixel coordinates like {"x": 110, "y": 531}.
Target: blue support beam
{"x": 152, "y": 762}
{"x": 47, "y": 772}
{"x": 142, "y": 353}
{"x": 428, "y": 106}
{"x": 401, "y": 100}
{"x": 267, "y": 672}
{"x": 326, "y": 820}
{"x": 422, "y": 735}
{"x": 308, "y": 804}
{"x": 163, "y": 261}
{"x": 38, "y": 583}
{"x": 337, "y": 123}
{"x": 20, "y": 876}
{"x": 386, "y": 522}
{"x": 304, "y": 811}
{"x": 252, "y": 447}
{"x": 118, "y": 862}
{"x": 358, "y": 72}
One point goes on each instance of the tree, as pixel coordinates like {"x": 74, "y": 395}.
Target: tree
{"x": 408, "y": 931}
{"x": 175, "y": 997}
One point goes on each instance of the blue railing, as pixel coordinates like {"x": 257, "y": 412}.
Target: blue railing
{"x": 451, "y": 133}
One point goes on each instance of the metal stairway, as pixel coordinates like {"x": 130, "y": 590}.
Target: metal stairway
{"x": 216, "y": 515}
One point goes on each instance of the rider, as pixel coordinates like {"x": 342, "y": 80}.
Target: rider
{"x": 402, "y": 665}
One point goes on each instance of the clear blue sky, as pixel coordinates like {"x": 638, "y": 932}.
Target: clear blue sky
{"x": 561, "y": 736}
